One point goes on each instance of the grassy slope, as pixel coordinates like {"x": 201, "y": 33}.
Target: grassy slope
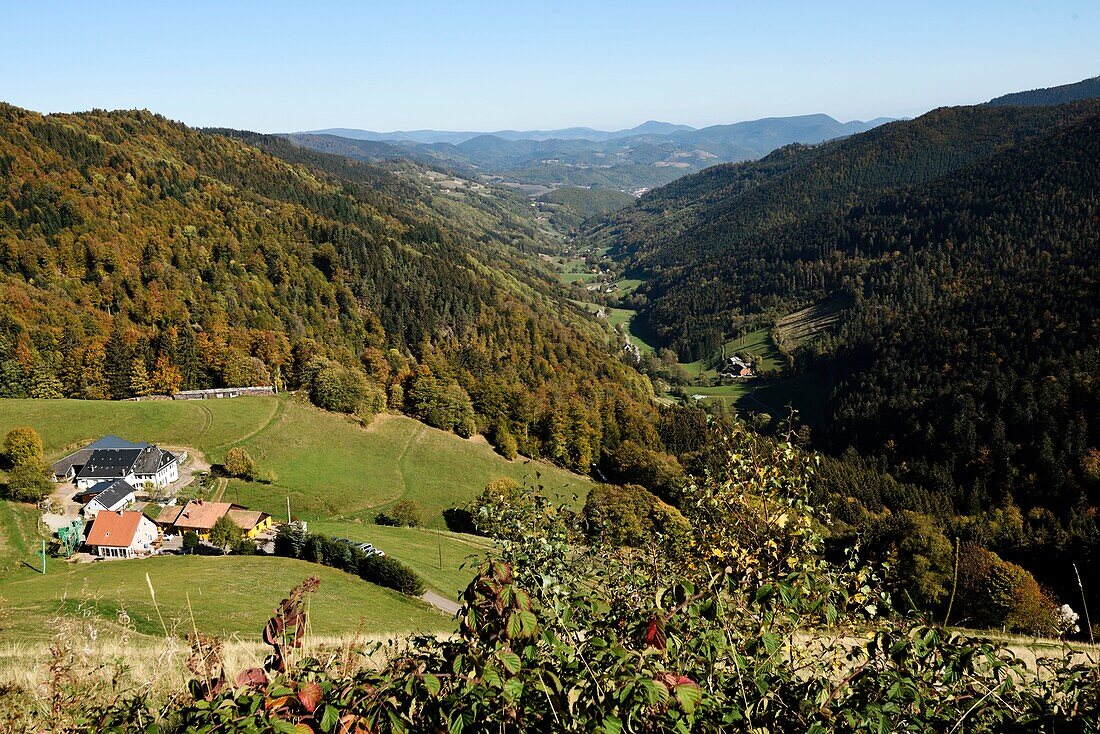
{"x": 20, "y": 538}
{"x": 230, "y": 595}
{"x": 337, "y": 475}
{"x": 327, "y": 464}
{"x": 444, "y": 560}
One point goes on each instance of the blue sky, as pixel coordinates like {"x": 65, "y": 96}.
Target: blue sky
{"x": 455, "y": 65}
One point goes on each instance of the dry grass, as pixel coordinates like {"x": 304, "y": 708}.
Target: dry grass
{"x": 108, "y": 659}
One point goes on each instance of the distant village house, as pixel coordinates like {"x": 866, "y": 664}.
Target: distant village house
{"x": 737, "y": 367}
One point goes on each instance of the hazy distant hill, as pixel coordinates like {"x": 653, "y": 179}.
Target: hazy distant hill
{"x": 455, "y": 137}
{"x": 651, "y": 154}
{"x": 1085, "y": 89}
{"x": 763, "y": 136}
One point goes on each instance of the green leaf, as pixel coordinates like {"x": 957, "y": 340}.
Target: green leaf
{"x": 432, "y": 683}
{"x": 771, "y": 642}
{"x": 688, "y": 695}
{"x": 330, "y": 715}
{"x": 513, "y": 689}
{"x": 612, "y": 725}
{"x": 514, "y": 629}
{"x": 510, "y": 661}
{"x": 456, "y": 724}
{"x": 654, "y": 692}
{"x": 529, "y": 623}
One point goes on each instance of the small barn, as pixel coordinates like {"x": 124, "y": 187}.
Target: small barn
{"x": 109, "y": 496}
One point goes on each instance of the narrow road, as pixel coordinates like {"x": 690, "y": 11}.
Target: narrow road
{"x": 440, "y": 602}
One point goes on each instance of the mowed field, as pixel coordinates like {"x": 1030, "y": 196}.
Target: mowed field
{"x": 328, "y": 465}
{"x": 228, "y": 596}
{"x": 337, "y": 474}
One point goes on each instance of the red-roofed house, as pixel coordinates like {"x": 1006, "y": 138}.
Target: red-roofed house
{"x": 199, "y": 517}
{"x": 121, "y": 534}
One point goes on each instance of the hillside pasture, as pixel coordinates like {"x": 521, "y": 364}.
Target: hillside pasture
{"x": 446, "y": 561}
{"x": 806, "y": 324}
{"x": 338, "y": 476}
{"x": 229, "y": 596}
{"x": 327, "y": 464}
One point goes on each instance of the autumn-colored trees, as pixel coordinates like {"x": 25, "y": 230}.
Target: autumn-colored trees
{"x": 27, "y": 480}
{"x": 23, "y": 445}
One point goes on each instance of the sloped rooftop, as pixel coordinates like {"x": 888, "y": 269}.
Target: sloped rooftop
{"x": 114, "y": 529}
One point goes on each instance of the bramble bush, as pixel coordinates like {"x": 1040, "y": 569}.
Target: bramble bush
{"x": 743, "y": 625}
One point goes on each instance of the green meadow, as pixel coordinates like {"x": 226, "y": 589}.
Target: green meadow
{"x": 229, "y": 596}
{"x": 327, "y": 464}
{"x": 337, "y": 474}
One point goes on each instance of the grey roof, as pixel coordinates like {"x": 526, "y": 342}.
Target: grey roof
{"x": 81, "y": 456}
{"x": 95, "y": 489}
{"x": 152, "y": 459}
{"x": 111, "y": 441}
{"x": 109, "y": 464}
{"x": 113, "y": 494}
{"x": 62, "y": 467}
{"x": 118, "y": 463}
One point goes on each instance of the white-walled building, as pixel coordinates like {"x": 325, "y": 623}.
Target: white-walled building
{"x": 109, "y": 496}
{"x": 111, "y": 458}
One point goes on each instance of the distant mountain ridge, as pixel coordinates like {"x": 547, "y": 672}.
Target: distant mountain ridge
{"x": 651, "y": 154}
{"x": 454, "y": 137}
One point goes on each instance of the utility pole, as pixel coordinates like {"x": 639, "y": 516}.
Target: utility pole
{"x": 43, "y": 558}
{"x": 288, "y": 520}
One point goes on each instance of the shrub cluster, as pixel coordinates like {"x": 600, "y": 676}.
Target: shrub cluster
{"x": 27, "y": 480}
{"x": 239, "y": 463}
{"x": 292, "y": 542}
{"x": 406, "y": 513}
{"x": 630, "y": 515}
{"x": 996, "y": 593}
{"x": 343, "y": 389}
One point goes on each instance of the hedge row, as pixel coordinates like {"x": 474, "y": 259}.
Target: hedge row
{"x": 385, "y": 571}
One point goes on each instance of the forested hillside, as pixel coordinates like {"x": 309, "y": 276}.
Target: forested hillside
{"x": 1084, "y": 89}
{"x": 569, "y": 206}
{"x": 138, "y": 255}
{"x": 966, "y": 244}
{"x": 723, "y": 247}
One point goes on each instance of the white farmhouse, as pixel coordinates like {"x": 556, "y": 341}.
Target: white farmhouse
{"x": 111, "y": 458}
{"x": 109, "y": 496}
